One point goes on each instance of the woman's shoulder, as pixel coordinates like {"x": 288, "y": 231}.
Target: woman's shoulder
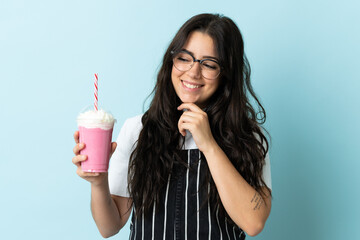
{"x": 134, "y": 122}
{"x": 131, "y": 128}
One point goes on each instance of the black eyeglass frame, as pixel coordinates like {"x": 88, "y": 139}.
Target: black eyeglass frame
{"x": 196, "y": 60}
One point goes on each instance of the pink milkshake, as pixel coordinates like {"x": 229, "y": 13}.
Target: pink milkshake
{"x": 95, "y": 130}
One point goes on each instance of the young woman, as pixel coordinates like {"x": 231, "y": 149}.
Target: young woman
{"x": 195, "y": 165}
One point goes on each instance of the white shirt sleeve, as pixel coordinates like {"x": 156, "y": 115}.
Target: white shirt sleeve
{"x": 119, "y": 162}
{"x": 267, "y": 171}
{"x": 266, "y": 174}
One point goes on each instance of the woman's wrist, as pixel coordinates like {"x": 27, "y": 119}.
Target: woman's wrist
{"x": 211, "y": 148}
{"x": 101, "y": 189}
{"x": 101, "y": 181}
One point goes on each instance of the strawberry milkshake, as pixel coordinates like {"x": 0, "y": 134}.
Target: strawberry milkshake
{"x": 95, "y": 131}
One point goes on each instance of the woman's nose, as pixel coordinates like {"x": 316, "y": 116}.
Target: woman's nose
{"x": 195, "y": 71}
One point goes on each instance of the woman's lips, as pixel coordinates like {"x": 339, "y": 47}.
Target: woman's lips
{"x": 191, "y": 86}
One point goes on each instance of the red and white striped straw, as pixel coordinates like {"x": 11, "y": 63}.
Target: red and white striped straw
{"x": 96, "y": 92}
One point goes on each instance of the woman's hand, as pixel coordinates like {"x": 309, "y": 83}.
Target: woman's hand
{"x": 93, "y": 178}
{"x": 196, "y": 121}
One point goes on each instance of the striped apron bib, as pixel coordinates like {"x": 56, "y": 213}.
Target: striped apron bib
{"x": 183, "y": 212}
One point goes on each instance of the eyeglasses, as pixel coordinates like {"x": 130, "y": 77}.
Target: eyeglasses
{"x": 184, "y": 61}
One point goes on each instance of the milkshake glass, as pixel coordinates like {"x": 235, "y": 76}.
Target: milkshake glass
{"x": 95, "y": 131}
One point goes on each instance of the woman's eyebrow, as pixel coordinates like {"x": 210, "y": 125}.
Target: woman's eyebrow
{"x": 204, "y": 57}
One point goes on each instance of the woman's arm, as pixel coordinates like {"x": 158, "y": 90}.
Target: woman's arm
{"x": 246, "y": 207}
{"x": 110, "y": 212}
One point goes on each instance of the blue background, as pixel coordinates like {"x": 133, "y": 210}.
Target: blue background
{"x": 305, "y": 61}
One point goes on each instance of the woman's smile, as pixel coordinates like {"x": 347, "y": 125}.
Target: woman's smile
{"x": 191, "y": 86}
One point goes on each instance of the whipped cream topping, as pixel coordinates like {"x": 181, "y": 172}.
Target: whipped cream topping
{"x": 96, "y": 119}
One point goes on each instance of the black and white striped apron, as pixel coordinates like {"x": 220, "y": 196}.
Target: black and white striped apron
{"x": 182, "y": 213}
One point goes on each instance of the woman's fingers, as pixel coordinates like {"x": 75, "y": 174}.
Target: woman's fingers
{"x": 78, "y": 147}
{"x": 78, "y": 159}
{"x": 183, "y": 127}
{"x": 83, "y": 174}
{"x": 76, "y": 137}
{"x": 113, "y": 147}
{"x": 190, "y": 117}
{"x": 185, "y": 117}
{"x": 182, "y": 130}
{"x": 194, "y": 119}
{"x": 189, "y": 106}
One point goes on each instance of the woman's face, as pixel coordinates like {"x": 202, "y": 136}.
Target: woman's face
{"x": 190, "y": 86}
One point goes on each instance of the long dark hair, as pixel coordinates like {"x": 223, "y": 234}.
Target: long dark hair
{"x": 232, "y": 118}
